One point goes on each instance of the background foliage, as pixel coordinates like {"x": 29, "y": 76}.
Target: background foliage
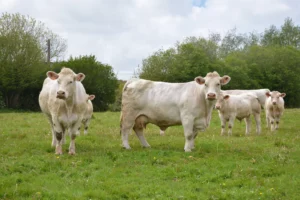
{"x": 255, "y": 60}
{"x": 270, "y": 59}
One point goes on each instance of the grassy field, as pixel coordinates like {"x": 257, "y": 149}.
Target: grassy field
{"x": 220, "y": 167}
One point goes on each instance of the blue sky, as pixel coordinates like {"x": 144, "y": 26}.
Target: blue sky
{"x": 199, "y": 3}
{"x": 122, "y": 33}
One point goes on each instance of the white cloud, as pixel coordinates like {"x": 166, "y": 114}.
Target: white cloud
{"x": 123, "y": 32}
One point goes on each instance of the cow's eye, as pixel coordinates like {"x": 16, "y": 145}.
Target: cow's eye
{"x": 71, "y": 82}
{"x": 205, "y": 85}
{"x": 58, "y": 82}
{"x": 218, "y": 84}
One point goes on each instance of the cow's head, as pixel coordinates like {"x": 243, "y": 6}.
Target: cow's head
{"x": 66, "y": 80}
{"x": 275, "y": 96}
{"x": 221, "y": 100}
{"x": 212, "y": 84}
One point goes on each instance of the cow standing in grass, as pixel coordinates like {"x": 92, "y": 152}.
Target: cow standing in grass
{"x": 274, "y": 108}
{"x": 88, "y": 113}
{"x": 260, "y": 93}
{"x": 63, "y": 100}
{"x": 231, "y": 107}
{"x": 167, "y": 104}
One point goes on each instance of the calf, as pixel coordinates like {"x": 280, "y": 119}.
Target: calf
{"x": 260, "y": 93}
{"x": 274, "y": 108}
{"x": 88, "y": 114}
{"x": 167, "y": 104}
{"x": 240, "y": 107}
{"x": 63, "y": 100}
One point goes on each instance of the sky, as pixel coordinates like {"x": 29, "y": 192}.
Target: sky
{"x": 122, "y": 33}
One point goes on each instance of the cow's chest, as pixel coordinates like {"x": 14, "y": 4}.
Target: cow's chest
{"x": 68, "y": 120}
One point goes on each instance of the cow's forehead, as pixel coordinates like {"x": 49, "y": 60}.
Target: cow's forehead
{"x": 275, "y": 94}
{"x": 212, "y": 77}
{"x": 66, "y": 74}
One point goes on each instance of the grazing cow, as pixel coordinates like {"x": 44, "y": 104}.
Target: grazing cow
{"x": 260, "y": 93}
{"x": 63, "y": 100}
{"x": 167, "y": 104}
{"x": 274, "y": 108}
{"x": 88, "y": 114}
{"x": 240, "y": 107}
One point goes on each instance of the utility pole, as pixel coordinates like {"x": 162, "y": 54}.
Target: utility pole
{"x": 48, "y": 52}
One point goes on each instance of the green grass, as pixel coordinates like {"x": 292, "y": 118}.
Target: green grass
{"x": 220, "y": 167}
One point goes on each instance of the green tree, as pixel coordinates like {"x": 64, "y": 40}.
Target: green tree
{"x": 100, "y": 79}
{"x": 22, "y": 56}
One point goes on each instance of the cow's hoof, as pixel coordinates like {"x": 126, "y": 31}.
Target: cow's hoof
{"x": 58, "y": 150}
{"x": 71, "y": 153}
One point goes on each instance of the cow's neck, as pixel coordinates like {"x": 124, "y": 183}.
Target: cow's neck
{"x": 70, "y": 102}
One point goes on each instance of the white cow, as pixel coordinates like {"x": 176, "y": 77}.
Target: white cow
{"x": 260, "y": 93}
{"x": 240, "y": 107}
{"x": 274, "y": 108}
{"x": 63, "y": 101}
{"x": 88, "y": 114}
{"x": 167, "y": 104}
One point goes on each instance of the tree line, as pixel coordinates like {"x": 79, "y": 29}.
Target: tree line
{"x": 23, "y": 66}
{"x": 270, "y": 59}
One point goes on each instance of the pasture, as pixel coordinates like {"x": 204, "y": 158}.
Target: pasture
{"x": 220, "y": 167}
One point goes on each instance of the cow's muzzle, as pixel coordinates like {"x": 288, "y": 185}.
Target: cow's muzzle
{"x": 211, "y": 96}
{"x": 61, "y": 95}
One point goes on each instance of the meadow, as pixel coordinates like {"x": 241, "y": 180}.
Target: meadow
{"x": 265, "y": 166}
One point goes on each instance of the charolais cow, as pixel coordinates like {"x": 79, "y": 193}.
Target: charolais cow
{"x": 231, "y": 107}
{"x": 88, "y": 114}
{"x": 63, "y": 100}
{"x": 274, "y": 108}
{"x": 260, "y": 93}
{"x": 166, "y": 104}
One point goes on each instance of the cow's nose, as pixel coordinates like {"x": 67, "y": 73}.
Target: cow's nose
{"x": 211, "y": 95}
{"x": 60, "y": 94}
{"x": 274, "y": 102}
{"x": 217, "y": 107}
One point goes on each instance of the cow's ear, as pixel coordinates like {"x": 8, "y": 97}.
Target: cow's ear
{"x": 80, "y": 77}
{"x": 52, "y": 75}
{"x": 225, "y": 79}
{"x": 282, "y": 95}
{"x": 268, "y": 94}
{"x": 92, "y": 97}
{"x": 200, "y": 80}
{"x": 226, "y": 97}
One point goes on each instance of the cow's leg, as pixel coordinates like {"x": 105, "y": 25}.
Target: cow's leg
{"x": 248, "y": 124}
{"x": 86, "y": 125}
{"x": 140, "y": 134}
{"x": 162, "y": 131}
{"x": 59, "y": 134}
{"x": 73, "y": 131}
{"x": 267, "y": 120}
{"x": 277, "y": 122}
{"x": 230, "y": 125}
{"x": 223, "y": 126}
{"x": 195, "y": 133}
{"x": 257, "y": 121}
{"x": 54, "y": 141}
{"x": 127, "y": 122}
{"x": 188, "y": 126}
{"x": 272, "y": 121}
